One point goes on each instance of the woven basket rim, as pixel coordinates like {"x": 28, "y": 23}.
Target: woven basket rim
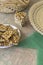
{"x": 30, "y": 15}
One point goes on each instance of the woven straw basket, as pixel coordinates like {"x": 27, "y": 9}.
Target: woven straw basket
{"x": 36, "y": 16}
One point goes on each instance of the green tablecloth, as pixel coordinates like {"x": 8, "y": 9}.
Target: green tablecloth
{"x": 34, "y": 41}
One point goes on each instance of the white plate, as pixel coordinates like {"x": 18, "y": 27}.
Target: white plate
{"x": 14, "y": 27}
{"x": 36, "y": 16}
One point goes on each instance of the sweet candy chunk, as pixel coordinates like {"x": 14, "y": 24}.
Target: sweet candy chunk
{"x": 21, "y": 18}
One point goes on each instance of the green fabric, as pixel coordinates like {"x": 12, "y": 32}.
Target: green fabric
{"x": 34, "y": 41}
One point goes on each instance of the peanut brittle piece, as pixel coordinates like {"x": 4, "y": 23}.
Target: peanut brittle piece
{"x": 1, "y": 44}
{"x": 16, "y": 39}
{"x": 6, "y": 43}
{"x": 2, "y": 28}
{"x": 15, "y": 32}
{"x": 10, "y": 42}
{"x": 9, "y": 28}
{"x": 6, "y": 35}
{"x": 21, "y": 18}
{"x": 1, "y": 33}
{"x": 2, "y": 39}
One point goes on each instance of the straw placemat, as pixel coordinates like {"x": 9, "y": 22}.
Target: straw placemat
{"x": 36, "y": 16}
